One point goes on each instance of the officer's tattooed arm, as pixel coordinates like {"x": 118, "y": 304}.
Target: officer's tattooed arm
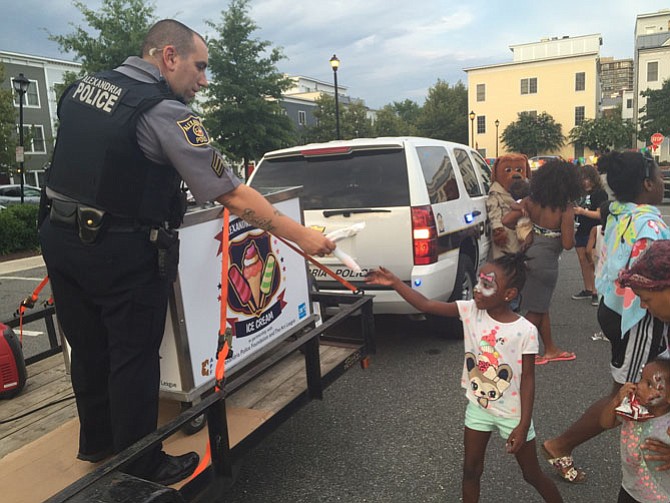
{"x": 262, "y": 223}
{"x": 249, "y": 204}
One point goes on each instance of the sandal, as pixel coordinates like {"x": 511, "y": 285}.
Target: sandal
{"x": 565, "y": 467}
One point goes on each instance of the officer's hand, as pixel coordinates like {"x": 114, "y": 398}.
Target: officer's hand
{"x": 315, "y": 243}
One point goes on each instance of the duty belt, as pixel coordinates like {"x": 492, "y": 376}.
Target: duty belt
{"x": 89, "y": 221}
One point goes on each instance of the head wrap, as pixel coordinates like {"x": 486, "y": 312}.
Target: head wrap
{"x": 651, "y": 271}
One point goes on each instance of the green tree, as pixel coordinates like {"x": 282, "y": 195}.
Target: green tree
{"x": 354, "y": 122}
{"x": 119, "y": 26}
{"x": 397, "y": 119}
{"x": 8, "y": 120}
{"x": 655, "y": 115}
{"x": 444, "y": 115}
{"x": 603, "y": 133}
{"x": 242, "y": 112}
{"x": 533, "y": 134}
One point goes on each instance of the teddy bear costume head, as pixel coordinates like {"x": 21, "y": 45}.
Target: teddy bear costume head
{"x": 508, "y": 168}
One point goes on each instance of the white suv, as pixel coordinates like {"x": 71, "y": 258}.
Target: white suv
{"x": 422, "y": 202}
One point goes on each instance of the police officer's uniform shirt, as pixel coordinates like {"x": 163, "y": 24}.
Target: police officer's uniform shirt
{"x": 171, "y": 133}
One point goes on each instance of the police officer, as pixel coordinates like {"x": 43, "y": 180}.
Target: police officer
{"x": 125, "y": 142}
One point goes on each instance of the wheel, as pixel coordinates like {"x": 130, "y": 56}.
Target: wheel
{"x": 452, "y": 328}
{"x": 194, "y": 425}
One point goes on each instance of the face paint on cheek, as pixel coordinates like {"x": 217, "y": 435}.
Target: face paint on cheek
{"x": 487, "y": 284}
{"x": 659, "y": 385}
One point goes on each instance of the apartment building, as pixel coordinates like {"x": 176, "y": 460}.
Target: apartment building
{"x": 652, "y": 64}
{"x": 39, "y": 105}
{"x": 555, "y": 75}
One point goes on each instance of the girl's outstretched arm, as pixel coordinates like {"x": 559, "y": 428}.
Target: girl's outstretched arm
{"x": 384, "y": 277}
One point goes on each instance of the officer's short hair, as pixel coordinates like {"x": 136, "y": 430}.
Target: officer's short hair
{"x": 169, "y": 32}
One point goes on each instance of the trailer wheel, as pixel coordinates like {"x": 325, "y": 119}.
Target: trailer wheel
{"x": 194, "y": 425}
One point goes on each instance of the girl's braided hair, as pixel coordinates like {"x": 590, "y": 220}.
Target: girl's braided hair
{"x": 514, "y": 267}
{"x": 651, "y": 271}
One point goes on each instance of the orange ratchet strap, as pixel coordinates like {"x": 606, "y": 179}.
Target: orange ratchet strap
{"x": 29, "y": 303}
{"x": 222, "y": 344}
{"x": 330, "y": 273}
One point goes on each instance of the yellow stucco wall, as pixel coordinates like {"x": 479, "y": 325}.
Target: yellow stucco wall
{"x": 555, "y": 95}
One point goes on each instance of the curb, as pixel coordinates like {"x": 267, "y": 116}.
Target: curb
{"x": 21, "y": 264}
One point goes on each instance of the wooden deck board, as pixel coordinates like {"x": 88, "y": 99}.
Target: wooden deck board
{"x": 45, "y": 442}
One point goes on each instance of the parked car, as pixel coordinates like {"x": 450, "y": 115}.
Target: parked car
{"x": 422, "y": 203}
{"x": 11, "y": 194}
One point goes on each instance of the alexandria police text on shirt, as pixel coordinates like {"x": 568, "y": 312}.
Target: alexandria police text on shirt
{"x": 98, "y": 93}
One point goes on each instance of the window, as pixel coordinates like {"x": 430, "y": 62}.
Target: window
{"x": 439, "y": 174}
{"x": 629, "y": 103}
{"x": 580, "y": 81}
{"x": 481, "y": 124}
{"x": 579, "y": 115}
{"x": 579, "y": 150}
{"x": 335, "y": 181}
{"x": 532, "y": 113}
{"x": 484, "y": 172}
{"x": 529, "y": 86}
{"x": 468, "y": 173}
{"x": 652, "y": 71}
{"x": 481, "y": 92}
{"x": 34, "y": 136}
{"x": 31, "y": 98}
{"x": 302, "y": 117}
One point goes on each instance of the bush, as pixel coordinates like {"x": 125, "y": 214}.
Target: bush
{"x": 18, "y": 228}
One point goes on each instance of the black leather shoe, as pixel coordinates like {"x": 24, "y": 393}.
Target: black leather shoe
{"x": 94, "y": 457}
{"x": 175, "y": 468}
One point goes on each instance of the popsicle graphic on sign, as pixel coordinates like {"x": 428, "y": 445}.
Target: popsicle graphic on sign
{"x": 253, "y": 278}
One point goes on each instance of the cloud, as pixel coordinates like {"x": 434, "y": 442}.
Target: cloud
{"x": 390, "y": 49}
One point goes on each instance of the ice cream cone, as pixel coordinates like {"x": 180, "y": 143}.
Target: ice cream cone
{"x": 252, "y": 271}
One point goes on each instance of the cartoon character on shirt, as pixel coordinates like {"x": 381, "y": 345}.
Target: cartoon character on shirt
{"x": 488, "y": 377}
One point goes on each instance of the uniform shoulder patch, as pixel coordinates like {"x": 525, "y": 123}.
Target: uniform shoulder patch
{"x": 218, "y": 164}
{"x": 194, "y": 131}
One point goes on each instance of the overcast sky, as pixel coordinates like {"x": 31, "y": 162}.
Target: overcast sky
{"x": 390, "y": 50}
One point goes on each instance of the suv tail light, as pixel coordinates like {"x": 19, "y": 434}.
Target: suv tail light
{"x": 424, "y": 235}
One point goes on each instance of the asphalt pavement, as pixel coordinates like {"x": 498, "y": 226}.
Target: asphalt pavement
{"x": 393, "y": 432}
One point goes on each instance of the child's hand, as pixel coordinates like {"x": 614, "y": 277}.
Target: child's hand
{"x": 381, "y": 276}
{"x": 626, "y": 391}
{"x": 516, "y": 439}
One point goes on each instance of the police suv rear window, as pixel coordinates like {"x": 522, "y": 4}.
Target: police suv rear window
{"x": 359, "y": 179}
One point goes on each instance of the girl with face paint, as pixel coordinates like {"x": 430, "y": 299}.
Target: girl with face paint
{"x": 644, "y": 478}
{"x": 498, "y": 369}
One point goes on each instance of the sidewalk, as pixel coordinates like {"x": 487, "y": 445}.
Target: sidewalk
{"x": 21, "y": 264}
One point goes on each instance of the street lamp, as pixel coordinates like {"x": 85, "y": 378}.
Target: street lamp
{"x": 472, "y": 128}
{"x": 497, "y": 123}
{"x": 21, "y": 84}
{"x": 335, "y": 64}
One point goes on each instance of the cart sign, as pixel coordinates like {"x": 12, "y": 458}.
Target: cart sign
{"x": 268, "y": 294}
{"x": 657, "y": 139}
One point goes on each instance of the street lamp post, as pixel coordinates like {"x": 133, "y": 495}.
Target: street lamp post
{"x": 497, "y": 123}
{"x": 472, "y": 128}
{"x": 21, "y": 84}
{"x": 335, "y": 64}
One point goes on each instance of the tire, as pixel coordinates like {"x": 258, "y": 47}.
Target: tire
{"x": 452, "y": 328}
{"x": 194, "y": 425}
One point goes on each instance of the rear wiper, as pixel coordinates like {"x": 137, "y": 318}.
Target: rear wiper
{"x": 347, "y": 213}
